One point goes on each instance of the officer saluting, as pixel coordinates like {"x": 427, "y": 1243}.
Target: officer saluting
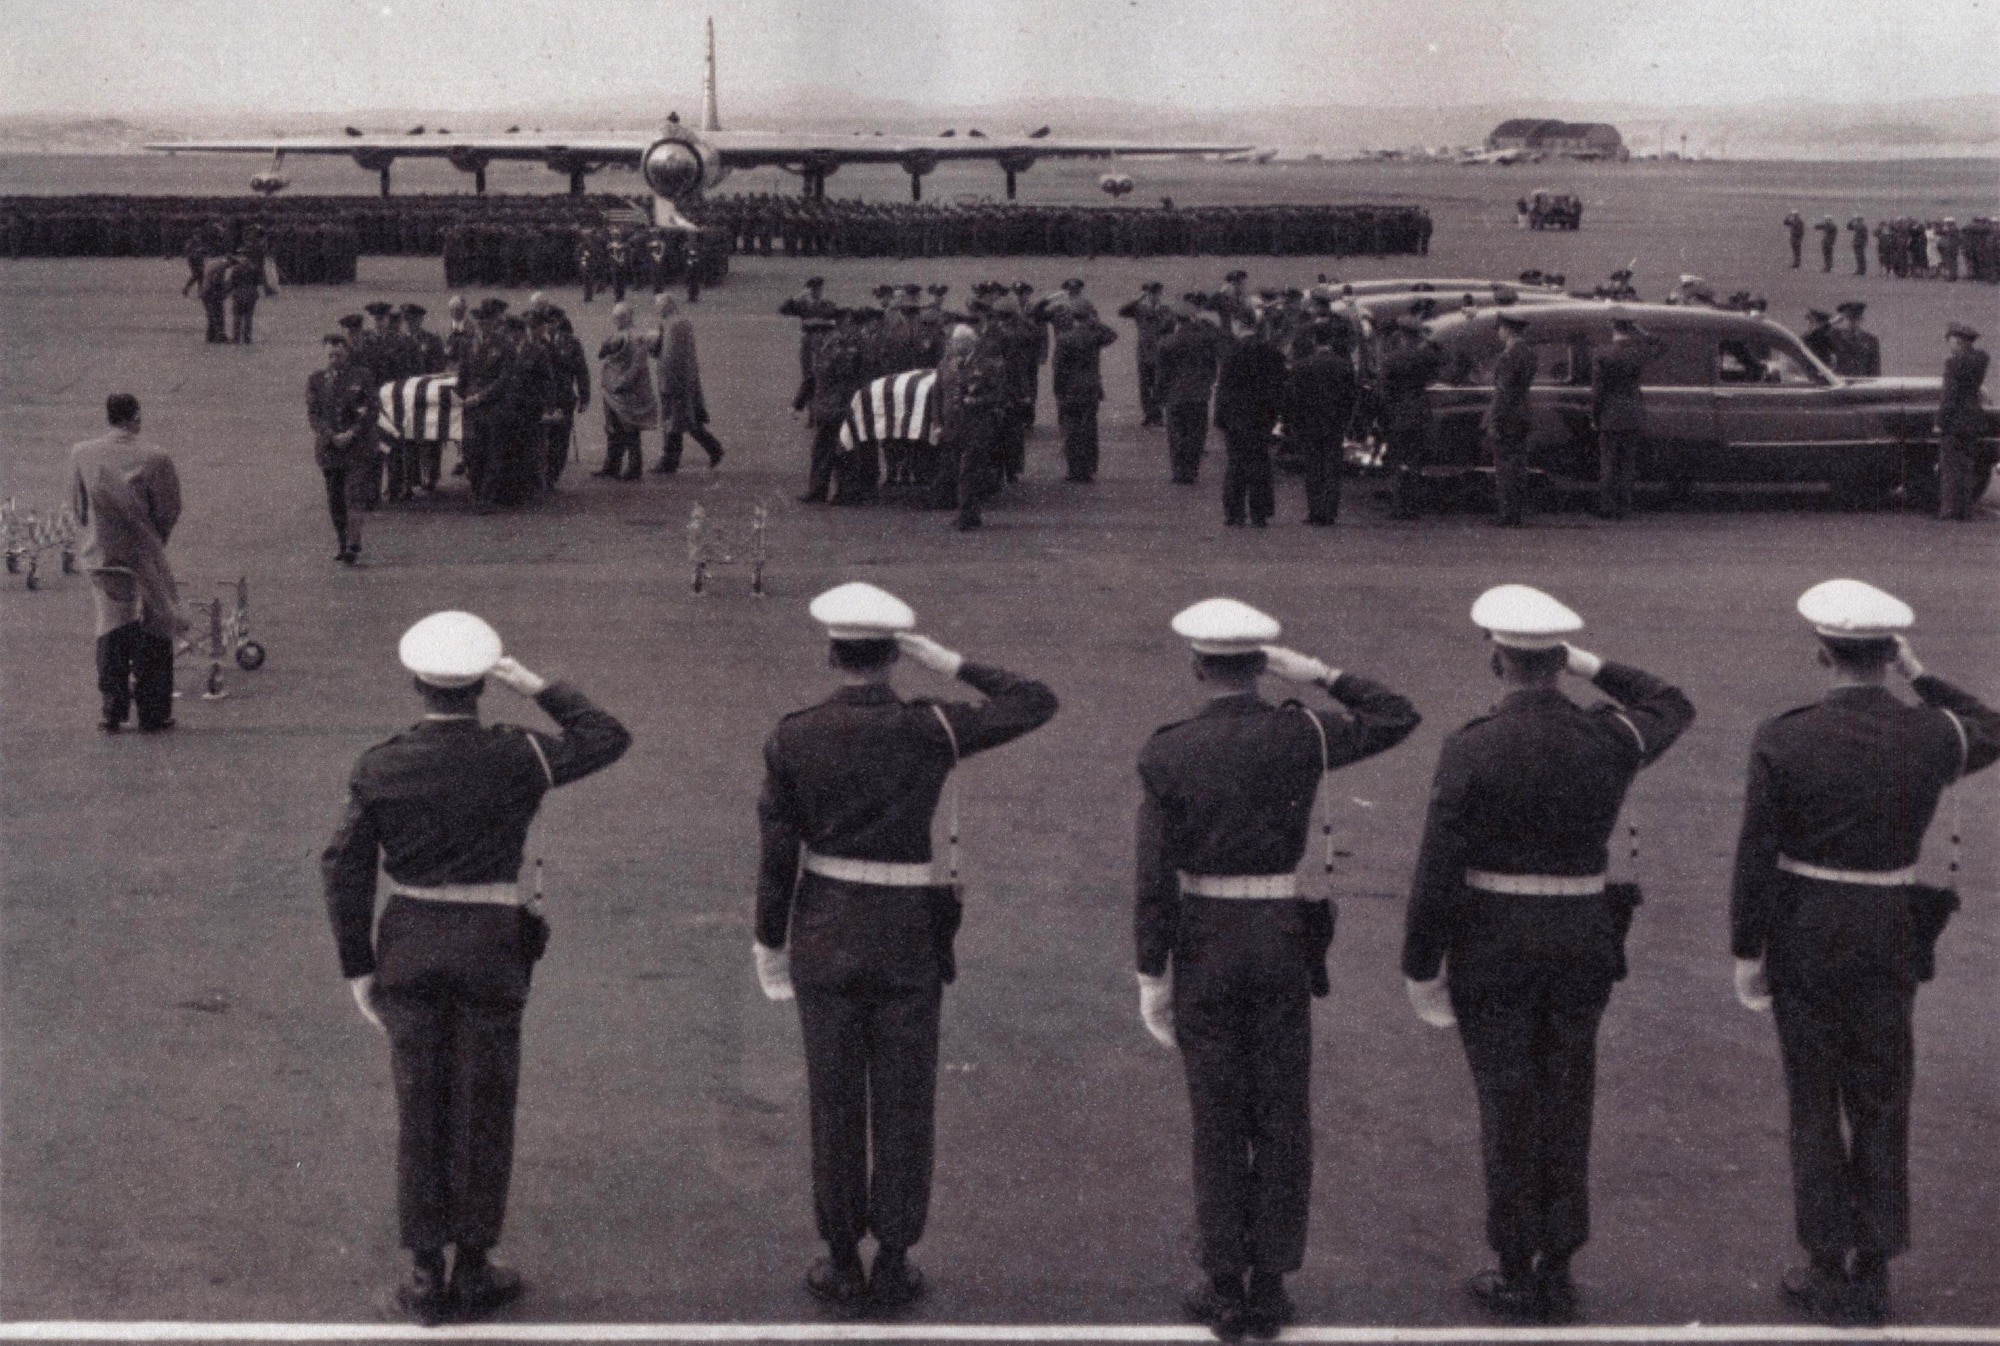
{"x": 845, "y": 876}
{"x": 1510, "y": 889}
{"x": 1821, "y": 914}
{"x": 445, "y": 807}
{"x": 1229, "y": 955}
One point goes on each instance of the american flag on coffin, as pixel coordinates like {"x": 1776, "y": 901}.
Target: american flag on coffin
{"x": 422, "y": 410}
{"x": 895, "y": 406}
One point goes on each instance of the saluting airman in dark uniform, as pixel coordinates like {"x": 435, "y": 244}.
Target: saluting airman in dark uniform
{"x": 1964, "y": 461}
{"x": 1506, "y": 421}
{"x": 1230, "y": 954}
{"x": 1154, "y": 320}
{"x": 1513, "y": 931}
{"x": 1830, "y": 932}
{"x": 444, "y": 810}
{"x": 1856, "y": 352}
{"x": 851, "y": 921}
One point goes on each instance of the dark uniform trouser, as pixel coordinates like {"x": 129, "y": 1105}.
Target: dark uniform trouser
{"x": 1149, "y": 390}
{"x": 450, "y": 984}
{"x": 1617, "y": 456}
{"x": 1246, "y": 476}
{"x": 1187, "y": 433}
{"x": 135, "y": 665}
{"x": 978, "y": 443}
{"x": 1959, "y": 480}
{"x": 1323, "y": 453}
{"x": 1530, "y": 978}
{"x": 1842, "y": 1000}
{"x": 865, "y": 966}
{"x": 670, "y": 448}
{"x": 346, "y": 493}
{"x": 1243, "y": 1017}
{"x": 825, "y": 455}
{"x": 213, "y": 307}
{"x": 242, "y": 317}
{"x": 1079, "y": 427}
{"x": 1407, "y": 429}
{"x": 1509, "y": 448}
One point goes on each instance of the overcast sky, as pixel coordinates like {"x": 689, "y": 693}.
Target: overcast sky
{"x": 148, "y": 57}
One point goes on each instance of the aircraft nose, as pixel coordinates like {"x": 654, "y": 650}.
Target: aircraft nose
{"x": 672, "y": 169}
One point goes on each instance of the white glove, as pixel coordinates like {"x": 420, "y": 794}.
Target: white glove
{"x": 363, "y": 988}
{"x": 774, "y": 972}
{"x": 1156, "y": 1007}
{"x": 511, "y": 674}
{"x": 1906, "y": 660}
{"x": 1582, "y": 662}
{"x": 1753, "y": 988}
{"x": 1432, "y": 1001}
{"x": 930, "y": 654}
{"x": 1295, "y": 667}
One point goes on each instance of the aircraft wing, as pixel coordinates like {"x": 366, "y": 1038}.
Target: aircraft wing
{"x": 736, "y": 149}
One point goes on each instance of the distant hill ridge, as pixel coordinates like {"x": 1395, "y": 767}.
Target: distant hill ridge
{"x": 1787, "y": 129}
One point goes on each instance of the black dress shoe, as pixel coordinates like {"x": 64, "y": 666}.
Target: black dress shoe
{"x": 1505, "y": 1297}
{"x": 479, "y": 1287}
{"x": 156, "y": 726}
{"x": 420, "y": 1297}
{"x": 1267, "y": 1310}
{"x": 895, "y": 1284}
{"x": 604, "y": 472}
{"x": 1867, "y": 1301}
{"x": 840, "y": 1287}
{"x": 1819, "y": 1291}
{"x": 1221, "y": 1313}
{"x": 1556, "y": 1293}
{"x": 715, "y": 460}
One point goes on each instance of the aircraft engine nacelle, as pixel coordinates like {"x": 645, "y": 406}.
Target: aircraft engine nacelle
{"x": 269, "y": 184}
{"x": 680, "y": 167}
{"x": 1115, "y": 185}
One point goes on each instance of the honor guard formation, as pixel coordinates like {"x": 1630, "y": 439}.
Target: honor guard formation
{"x": 1907, "y": 247}
{"x": 1515, "y": 930}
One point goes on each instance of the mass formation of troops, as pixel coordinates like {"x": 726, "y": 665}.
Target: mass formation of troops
{"x": 1907, "y": 247}
{"x": 1514, "y": 934}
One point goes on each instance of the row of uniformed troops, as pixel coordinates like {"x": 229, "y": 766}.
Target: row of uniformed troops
{"x": 229, "y": 281}
{"x": 1514, "y": 933}
{"x": 521, "y": 254}
{"x": 767, "y": 223}
{"x": 155, "y": 226}
{"x": 521, "y": 380}
{"x": 1905, "y": 246}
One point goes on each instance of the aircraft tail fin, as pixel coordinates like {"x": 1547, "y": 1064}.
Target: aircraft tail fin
{"x": 711, "y": 115}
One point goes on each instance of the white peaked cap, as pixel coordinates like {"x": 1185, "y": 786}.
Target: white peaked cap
{"x": 1852, "y": 610}
{"x": 1524, "y": 618}
{"x": 1225, "y": 626}
{"x": 862, "y": 612}
{"x": 450, "y": 649}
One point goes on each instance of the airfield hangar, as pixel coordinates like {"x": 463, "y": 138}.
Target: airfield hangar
{"x": 1541, "y": 135}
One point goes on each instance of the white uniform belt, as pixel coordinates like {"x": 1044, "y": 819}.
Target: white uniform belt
{"x": 1871, "y": 878}
{"x": 1240, "y": 886}
{"x": 506, "y": 894}
{"x": 1535, "y": 885}
{"x": 881, "y": 873}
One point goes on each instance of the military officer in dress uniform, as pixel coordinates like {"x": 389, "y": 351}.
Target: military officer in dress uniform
{"x": 1320, "y": 396}
{"x": 851, "y": 923}
{"x": 1507, "y": 421}
{"x": 443, "y": 808}
{"x": 1855, "y": 350}
{"x": 1964, "y": 461}
{"x": 1154, "y": 320}
{"x": 1821, "y": 915}
{"x": 340, "y": 408}
{"x": 811, "y": 307}
{"x": 1230, "y": 955}
{"x": 1819, "y": 335}
{"x": 1795, "y": 233}
{"x": 1829, "y": 233}
{"x": 1512, "y": 934}
{"x": 1618, "y": 412}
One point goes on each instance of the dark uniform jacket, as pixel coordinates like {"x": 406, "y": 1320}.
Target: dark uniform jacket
{"x": 1320, "y": 396}
{"x": 449, "y": 801}
{"x": 1513, "y": 375}
{"x": 1231, "y": 792}
{"x": 1533, "y": 788}
{"x": 430, "y": 348}
{"x": 1076, "y": 375}
{"x": 1617, "y": 403}
{"x": 1849, "y": 782}
{"x": 1151, "y": 316}
{"x": 858, "y": 776}
{"x": 339, "y": 402}
{"x": 1959, "y": 411}
{"x": 1856, "y": 353}
{"x": 489, "y": 373}
{"x": 1250, "y": 387}
{"x": 837, "y": 373}
{"x": 1407, "y": 371}
{"x": 1820, "y": 341}
{"x": 1188, "y": 361}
